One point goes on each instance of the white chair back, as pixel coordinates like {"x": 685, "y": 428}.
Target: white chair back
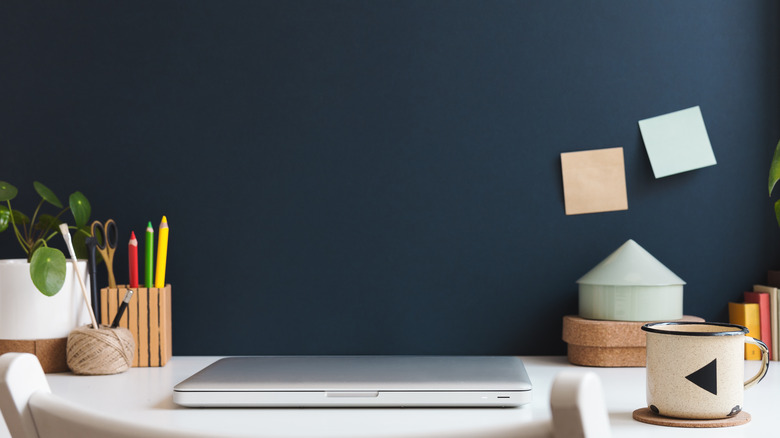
{"x": 32, "y": 411}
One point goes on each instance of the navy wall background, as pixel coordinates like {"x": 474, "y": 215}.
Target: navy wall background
{"x": 384, "y": 176}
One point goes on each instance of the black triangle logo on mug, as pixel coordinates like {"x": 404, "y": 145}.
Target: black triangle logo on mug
{"x": 706, "y": 377}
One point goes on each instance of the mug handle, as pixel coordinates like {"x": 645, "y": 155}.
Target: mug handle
{"x": 764, "y": 361}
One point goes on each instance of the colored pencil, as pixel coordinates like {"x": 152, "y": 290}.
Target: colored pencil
{"x": 149, "y": 250}
{"x": 162, "y": 254}
{"x": 132, "y": 259}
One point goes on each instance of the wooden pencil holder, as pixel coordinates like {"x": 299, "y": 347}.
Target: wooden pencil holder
{"x": 148, "y": 317}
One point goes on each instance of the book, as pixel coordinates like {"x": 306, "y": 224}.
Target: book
{"x": 764, "y": 316}
{"x": 774, "y": 302}
{"x": 747, "y": 315}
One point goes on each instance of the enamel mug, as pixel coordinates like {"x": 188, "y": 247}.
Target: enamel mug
{"x": 696, "y": 370}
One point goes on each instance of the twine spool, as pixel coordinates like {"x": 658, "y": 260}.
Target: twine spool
{"x": 99, "y": 352}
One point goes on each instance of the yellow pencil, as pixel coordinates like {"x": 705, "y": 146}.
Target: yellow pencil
{"x": 162, "y": 253}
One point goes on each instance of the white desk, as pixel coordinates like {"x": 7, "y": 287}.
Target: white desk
{"x": 145, "y": 395}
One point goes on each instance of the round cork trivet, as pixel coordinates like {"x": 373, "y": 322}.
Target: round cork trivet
{"x": 607, "y": 356}
{"x": 597, "y": 343}
{"x": 645, "y": 415}
{"x": 599, "y": 333}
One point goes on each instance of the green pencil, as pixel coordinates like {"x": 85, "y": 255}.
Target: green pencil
{"x": 149, "y": 255}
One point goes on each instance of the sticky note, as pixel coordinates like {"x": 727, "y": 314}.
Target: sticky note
{"x": 594, "y": 181}
{"x": 677, "y": 142}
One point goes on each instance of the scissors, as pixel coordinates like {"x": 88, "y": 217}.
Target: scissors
{"x": 107, "y": 237}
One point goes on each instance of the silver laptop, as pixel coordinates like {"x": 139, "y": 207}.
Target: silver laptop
{"x": 358, "y": 381}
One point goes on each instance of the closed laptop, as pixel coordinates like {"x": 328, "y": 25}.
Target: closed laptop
{"x": 358, "y": 381}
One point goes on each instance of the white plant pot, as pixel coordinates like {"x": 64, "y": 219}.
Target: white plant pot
{"x": 27, "y": 314}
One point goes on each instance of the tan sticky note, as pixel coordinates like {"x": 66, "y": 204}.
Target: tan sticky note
{"x": 594, "y": 181}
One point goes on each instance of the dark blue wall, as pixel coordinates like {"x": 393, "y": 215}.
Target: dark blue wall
{"x": 384, "y": 176}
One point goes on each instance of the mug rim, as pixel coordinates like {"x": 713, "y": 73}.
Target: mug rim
{"x": 651, "y": 327}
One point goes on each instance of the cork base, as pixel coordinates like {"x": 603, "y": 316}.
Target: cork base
{"x": 50, "y": 352}
{"x": 645, "y": 415}
{"x": 597, "y": 343}
{"x": 607, "y": 356}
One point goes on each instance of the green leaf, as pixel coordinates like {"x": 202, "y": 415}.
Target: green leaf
{"x": 20, "y": 218}
{"x": 47, "y": 221}
{"x": 5, "y": 218}
{"x": 7, "y": 191}
{"x": 79, "y": 206}
{"x": 79, "y": 245}
{"x": 777, "y": 211}
{"x": 47, "y": 270}
{"x": 774, "y": 169}
{"x": 47, "y": 194}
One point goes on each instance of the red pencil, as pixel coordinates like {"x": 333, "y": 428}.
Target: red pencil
{"x": 132, "y": 257}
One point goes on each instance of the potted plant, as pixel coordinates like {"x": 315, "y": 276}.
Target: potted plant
{"x": 773, "y": 277}
{"x": 40, "y": 299}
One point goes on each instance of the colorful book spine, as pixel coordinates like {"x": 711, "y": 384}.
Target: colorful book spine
{"x": 747, "y": 315}
{"x": 764, "y": 316}
{"x": 774, "y": 305}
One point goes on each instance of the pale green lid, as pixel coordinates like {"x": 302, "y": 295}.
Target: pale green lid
{"x": 631, "y": 265}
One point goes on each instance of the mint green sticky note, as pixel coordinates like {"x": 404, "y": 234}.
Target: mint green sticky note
{"x": 677, "y": 142}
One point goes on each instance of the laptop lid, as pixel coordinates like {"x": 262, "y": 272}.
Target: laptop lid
{"x": 357, "y": 381}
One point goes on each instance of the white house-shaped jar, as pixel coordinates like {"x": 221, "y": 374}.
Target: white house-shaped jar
{"x": 631, "y": 285}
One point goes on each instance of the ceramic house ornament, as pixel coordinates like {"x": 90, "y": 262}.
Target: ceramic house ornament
{"x": 631, "y": 285}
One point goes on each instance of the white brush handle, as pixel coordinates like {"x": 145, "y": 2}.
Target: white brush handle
{"x": 66, "y": 236}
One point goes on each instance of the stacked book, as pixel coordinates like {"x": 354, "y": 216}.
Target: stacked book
{"x": 759, "y": 313}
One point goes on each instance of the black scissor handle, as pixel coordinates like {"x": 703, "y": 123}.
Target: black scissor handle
{"x": 109, "y": 234}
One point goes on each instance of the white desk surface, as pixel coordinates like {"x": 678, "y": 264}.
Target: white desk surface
{"x": 145, "y": 395}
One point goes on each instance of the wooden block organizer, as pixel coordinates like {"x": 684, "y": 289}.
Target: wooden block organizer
{"x": 148, "y": 317}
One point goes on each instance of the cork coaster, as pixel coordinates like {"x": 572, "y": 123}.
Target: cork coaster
{"x": 645, "y": 415}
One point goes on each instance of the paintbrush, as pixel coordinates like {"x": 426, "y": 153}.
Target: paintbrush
{"x": 66, "y": 236}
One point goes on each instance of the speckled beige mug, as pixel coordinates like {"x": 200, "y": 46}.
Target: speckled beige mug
{"x": 696, "y": 370}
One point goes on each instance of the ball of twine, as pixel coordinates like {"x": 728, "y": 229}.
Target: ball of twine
{"x": 102, "y": 351}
